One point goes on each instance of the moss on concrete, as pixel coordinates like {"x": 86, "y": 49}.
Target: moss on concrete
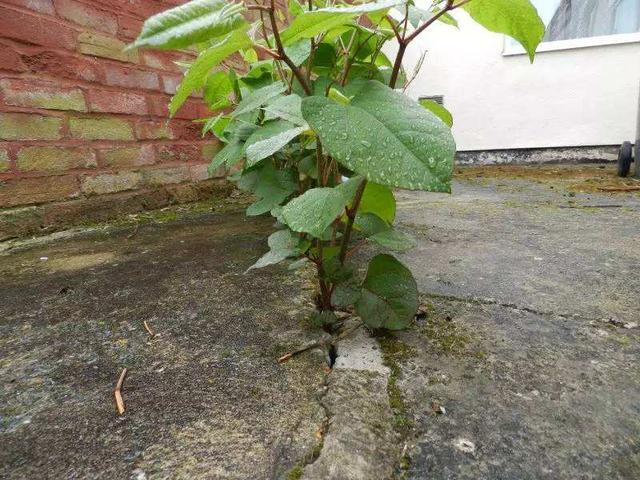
{"x": 394, "y": 352}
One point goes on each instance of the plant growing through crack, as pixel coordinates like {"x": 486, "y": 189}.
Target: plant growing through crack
{"x": 306, "y": 105}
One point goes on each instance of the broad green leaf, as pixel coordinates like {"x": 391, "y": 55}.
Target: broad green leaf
{"x": 231, "y": 154}
{"x": 389, "y": 296}
{"x": 448, "y": 20}
{"x": 298, "y": 52}
{"x": 393, "y": 240}
{"x": 287, "y": 107}
{"x": 295, "y": 8}
{"x": 308, "y": 166}
{"x": 217, "y": 125}
{"x": 517, "y": 18}
{"x": 386, "y": 137}
{"x": 193, "y": 22}
{"x": 345, "y": 294}
{"x": 282, "y": 244}
{"x": 270, "y": 138}
{"x": 250, "y": 56}
{"x": 310, "y": 24}
{"x": 370, "y": 224}
{"x": 438, "y": 110}
{"x": 260, "y": 75}
{"x": 197, "y": 74}
{"x": 217, "y": 90}
{"x": 313, "y": 211}
{"x": 349, "y": 188}
{"x": 272, "y": 186}
{"x": 259, "y": 97}
{"x": 338, "y": 97}
{"x": 379, "y": 200}
{"x": 417, "y": 16}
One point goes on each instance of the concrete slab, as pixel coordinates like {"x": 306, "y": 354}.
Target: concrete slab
{"x": 205, "y": 397}
{"x": 521, "y": 243}
{"x": 516, "y": 372}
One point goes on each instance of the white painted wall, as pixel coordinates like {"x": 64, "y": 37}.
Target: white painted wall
{"x": 579, "y": 97}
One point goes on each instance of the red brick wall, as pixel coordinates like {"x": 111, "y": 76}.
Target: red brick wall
{"x": 84, "y": 129}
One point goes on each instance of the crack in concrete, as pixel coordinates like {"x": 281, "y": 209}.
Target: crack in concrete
{"x": 512, "y": 306}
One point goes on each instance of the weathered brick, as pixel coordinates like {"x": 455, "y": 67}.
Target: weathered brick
{"x": 179, "y": 153}
{"x": 185, "y": 130}
{"x": 116, "y": 75}
{"x": 128, "y": 156}
{"x": 164, "y": 60}
{"x": 192, "y": 192}
{"x": 99, "y": 45}
{"x": 87, "y": 16}
{"x": 158, "y": 105}
{"x": 58, "y": 64}
{"x": 40, "y": 95}
{"x": 5, "y": 163}
{"x": 25, "y": 191}
{"x": 10, "y": 60}
{"x": 100, "y": 129}
{"x": 19, "y": 222}
{"x": 171, "y": 83}
{"x": 129, "y": 27}
{"x": 117, "y": 102}
{"x": 41, "y": 6}
{"x": 27, "y": 126}
{"x": 110, "y": 182}
{"x": 193, "y": 109}
{"x": 35, "y": 30}
{"x": 200, "y": 172}
{"x": 55, "y": 159}
{"x": 153, "y": 130}
{"x": 165, "y": 176}
{"x": 103, "y": 207}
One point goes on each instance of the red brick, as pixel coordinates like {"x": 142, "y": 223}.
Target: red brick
{"x": 179, "y": 153}
{"x": 134, "y": 156}
{"x": 36, "y": 94}
{"x": 158, "y": 105}
{"x": 35, "y": 30}
{"x": 57, "y": 64}
{"x": 138, "y": 8}
{"x": 25, "y": 191}
{"x": 87, "y": 16}
{"x": 164, "y": 60}
{"x": 41, "y": 6}
{"x": 117, "y": 102}
{"x": 185, "y": 130}
{"x": 131, "y": 78}
{"x": 129, "y": 27}
{"x": 171, "y": 82}
{"x": 154, "y": 130}
{"x": 10, "y": 59}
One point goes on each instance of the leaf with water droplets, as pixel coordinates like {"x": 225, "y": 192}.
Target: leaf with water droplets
{"x": 316, "y": 209}
{"x": 385, "y": 136}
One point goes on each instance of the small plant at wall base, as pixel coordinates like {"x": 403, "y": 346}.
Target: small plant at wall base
{"x": 318, "y": 133}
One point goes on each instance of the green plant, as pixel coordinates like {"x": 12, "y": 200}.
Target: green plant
{"x": 312, "y": 126}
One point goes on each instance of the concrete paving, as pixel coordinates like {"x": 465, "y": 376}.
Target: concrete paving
{"x": 525, "y": 365}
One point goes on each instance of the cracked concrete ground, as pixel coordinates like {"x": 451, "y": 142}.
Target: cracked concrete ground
{"x": 515, "y": 371}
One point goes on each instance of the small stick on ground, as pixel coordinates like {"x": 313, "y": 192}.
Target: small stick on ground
{"x": 117, "y": 392}
{"x": 323, "y": 342}
{"x": 148, "y": 329}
